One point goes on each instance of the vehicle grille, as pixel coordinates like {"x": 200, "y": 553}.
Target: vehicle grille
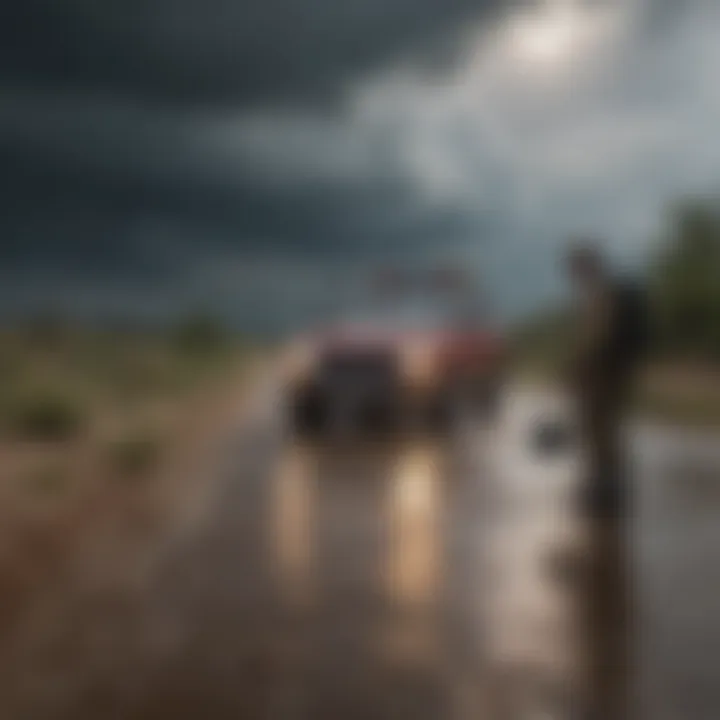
{"x": 360, "y": 368}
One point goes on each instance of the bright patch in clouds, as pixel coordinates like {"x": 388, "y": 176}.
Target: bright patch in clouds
{"x": 546, "y": 36}
{"x": 558, "y": 32}
{"x": 525, "y": 84}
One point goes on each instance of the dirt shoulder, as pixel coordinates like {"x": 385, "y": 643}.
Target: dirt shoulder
{"x": 678, "y": 393}
{"x": 681, "y": 393}
{"x": 101, "y": 495}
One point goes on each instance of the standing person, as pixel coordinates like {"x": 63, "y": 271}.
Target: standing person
{"x": 610, "y": 339}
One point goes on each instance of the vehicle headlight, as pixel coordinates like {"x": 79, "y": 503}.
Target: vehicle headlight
{"x": 300, "y": 363}
{"x": 419, "y": 367}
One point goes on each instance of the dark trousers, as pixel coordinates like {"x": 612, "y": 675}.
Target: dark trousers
{"x": 605, "y": 624}
{"x": 605, "y": 598}
{"x": 605, "y": 489}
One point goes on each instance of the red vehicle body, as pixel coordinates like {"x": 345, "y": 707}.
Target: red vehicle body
{"x": 381, "y": 376}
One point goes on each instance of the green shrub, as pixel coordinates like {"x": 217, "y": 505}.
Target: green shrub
{"x": 200, "y": 335}
{"x": 44, "y": 414}
{"x": 134, "y": 455}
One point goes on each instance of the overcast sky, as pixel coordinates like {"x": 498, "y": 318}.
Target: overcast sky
{"x": 252, "y": 155}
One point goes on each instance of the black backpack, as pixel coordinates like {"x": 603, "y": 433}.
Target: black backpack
{"x": 630, "y": 336}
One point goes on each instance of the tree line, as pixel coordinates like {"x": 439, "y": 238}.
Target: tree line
{"x": 684, "y": 283}
{"x": 682, "y": 278}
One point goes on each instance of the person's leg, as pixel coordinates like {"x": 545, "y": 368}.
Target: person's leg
{"x": 606, "y": 619}
{"x": 605, "y": 615}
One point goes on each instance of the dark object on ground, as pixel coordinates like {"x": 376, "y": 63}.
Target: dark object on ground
{"x": 554, "y": 436}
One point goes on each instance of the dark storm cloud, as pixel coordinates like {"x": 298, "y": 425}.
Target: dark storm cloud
{"x": 149, "y": 206}
{"x": 88, "y": 219}
{"x": 217, "y": 50}
{"x": 155, "y": 142}
{"x": 99, "y": 174}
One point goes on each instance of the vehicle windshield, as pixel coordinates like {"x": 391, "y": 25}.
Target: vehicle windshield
{"x": 417, "y": 316}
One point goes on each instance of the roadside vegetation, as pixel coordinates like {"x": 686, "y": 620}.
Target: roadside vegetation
{"x": 681, "y": 381}
{"x": 106, "y": 432}
{"x": 112, "y": 393}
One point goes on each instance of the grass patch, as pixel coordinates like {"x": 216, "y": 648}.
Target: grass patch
{"x": 670, "y": 399}
{"x": 43, "y": 414}
{"x": 59, "y": 383}
{"x": 68, "y": 372}
{"x": 199, "y": 336}
{"x": 134, "y": 455}
{"x": 51, "y": 478}
{"x": 681, "y": 407}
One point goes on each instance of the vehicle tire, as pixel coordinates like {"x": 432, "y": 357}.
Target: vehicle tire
{"x": 442, "y": 414}
{"x": 380, "y": 418}
{"x": 308, "y": 416}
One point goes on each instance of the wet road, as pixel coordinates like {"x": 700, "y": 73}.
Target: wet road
{"x": 405, "y": 580}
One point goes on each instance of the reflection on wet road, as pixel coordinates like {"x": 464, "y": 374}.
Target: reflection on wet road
{"x": 292, "y": 521}
{"x": 677, "y": 569}
{"x": 358, "y": 555}
{"x": 414, "y": 510}
{"x": 405, "y": 580}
